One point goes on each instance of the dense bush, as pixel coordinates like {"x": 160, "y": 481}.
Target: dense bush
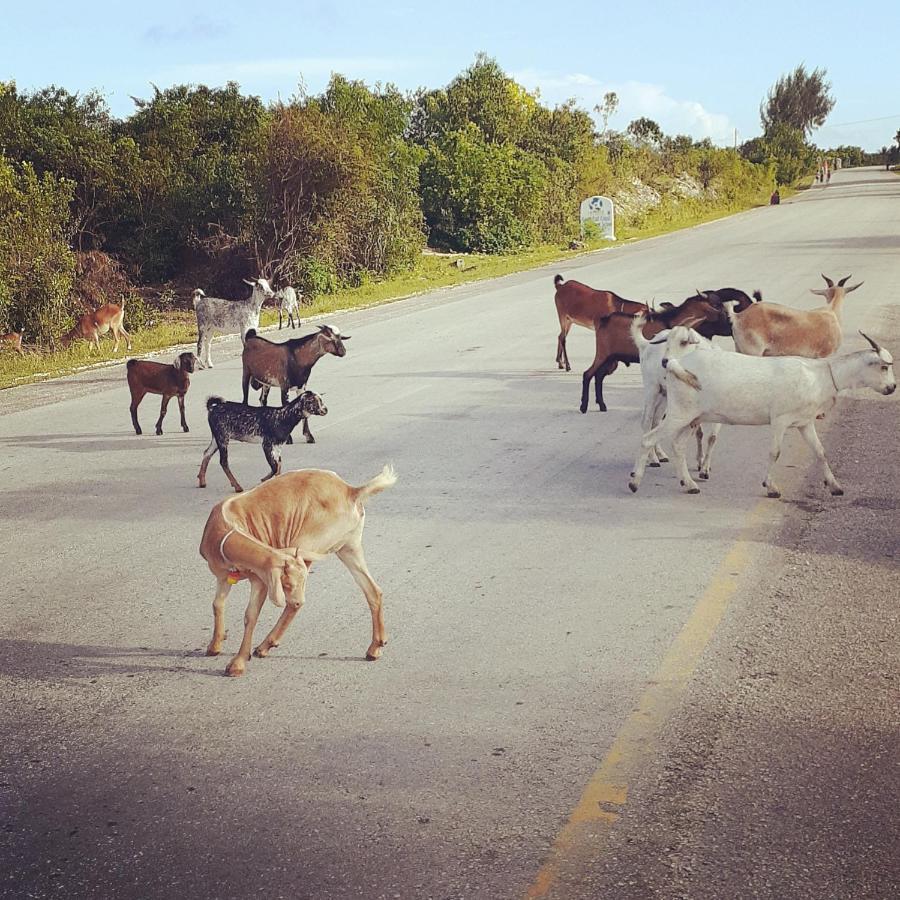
{"x": 37, "y": 266}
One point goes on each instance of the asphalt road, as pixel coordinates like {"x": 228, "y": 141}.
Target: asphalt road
{"x": 547, "y": 628}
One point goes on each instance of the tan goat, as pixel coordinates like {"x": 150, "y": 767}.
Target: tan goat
{"x": 770, "y": 329}
{"x": 272, "y": 534}
{"x": 13, "y": 341}
{"x": 92, "y": 325}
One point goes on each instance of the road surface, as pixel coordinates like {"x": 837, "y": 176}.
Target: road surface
{"x": 579, "y": 694}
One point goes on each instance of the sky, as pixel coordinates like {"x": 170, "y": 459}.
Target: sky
{"x": 695, "y": 68}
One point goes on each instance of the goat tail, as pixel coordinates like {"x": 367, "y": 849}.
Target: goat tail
{"x": 214, "y": 401}
{"x": 757, "y": 296}
{"x": 682, "y": 374}
{"x": 558, "y": 281}
{"x": 382, "y": 481}
{"x": 637, "y": 331}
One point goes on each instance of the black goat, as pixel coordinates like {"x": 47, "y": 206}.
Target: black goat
{"x": 255, "y": 424}
{"x": 288, "y": 364}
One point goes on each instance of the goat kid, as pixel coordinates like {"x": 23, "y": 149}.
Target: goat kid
{"x": 255, "y": 424}
{"x": 784, "y": 392}
{"x": 770, "y": 329}
{"x": 288, "y": 306}
{"x": 169, "y": 379}
{"x": 272, "y": 534}
{"x": 93, "y": 325}
{"x": 674, "y": 343}
{"x": 218, "y": 316}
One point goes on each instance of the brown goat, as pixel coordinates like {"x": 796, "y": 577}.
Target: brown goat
{"x": 94, "y": 324}
{"x": 579, "y": 304}
{"x": 12, "y": 341}
{"x": 169, "y": 379}
{"x": 614, "y": 343}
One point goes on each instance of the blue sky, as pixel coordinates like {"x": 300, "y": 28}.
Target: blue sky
{"x": 697, "y": 68}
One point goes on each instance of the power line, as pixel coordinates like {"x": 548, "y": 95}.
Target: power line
{"x": 863, "y": 121}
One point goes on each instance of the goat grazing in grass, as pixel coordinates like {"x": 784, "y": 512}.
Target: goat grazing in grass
{"x": 287, "y": 365}
{"x": 255, "y": 424}
{"x": 218, "y": 316}
{"x": 288, "y": 306}
{"x": 12, "y": 341}
{"x": 770, "y": 329}
{"x": 614, "y": 344}
{"x": 92, "y": 325}
{"x": 784, "y": 392}
{"x": 169, "y": 379}
{"x": 272, "y": 534}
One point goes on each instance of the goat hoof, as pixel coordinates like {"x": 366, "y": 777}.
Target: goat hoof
{"x": 158, "y": 431}
{"x": 632, "y": 487}
{"x": 694, "y": 490}
{"x": 583, "y": 409}
{"x": 310, "y": 440}
{"x": 703, "y": 475}
{"x": 261, "y": 652}
{"x": 773, "y": 494}
{"x": 837, "y": 492}
{"x": 653, "y": 465}
{"x": 185, "y": 429}
{"x": 601, "y": 407}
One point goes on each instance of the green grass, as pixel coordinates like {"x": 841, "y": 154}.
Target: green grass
{"x": 432, "y": 271}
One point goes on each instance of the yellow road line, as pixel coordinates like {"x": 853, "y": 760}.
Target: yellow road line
{"x": 581, "y": 839}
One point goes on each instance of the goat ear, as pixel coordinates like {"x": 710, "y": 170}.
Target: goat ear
{"x": 177, "y": 362}
{"x": 853, "y": 287}
{"x": 828, "y": 281}
{"x": 820, "y": 291}
{"x": 875, "y": 346}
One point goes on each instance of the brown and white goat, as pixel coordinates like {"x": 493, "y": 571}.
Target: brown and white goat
{"x": 614, "y": 343}
{"x": 169, "y": 379}
{"x": 579, "y": 304}
{"x": 272, "y": 534}
{"x": 12, "y": 341}
{"x": 92, "y": 325}
{"x": 770, "y": 329}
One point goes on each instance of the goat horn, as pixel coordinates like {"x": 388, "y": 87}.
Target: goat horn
{"x": 843, "y": 281}
{"x": 828, "y": 281}
{"x": 875, "y": 346}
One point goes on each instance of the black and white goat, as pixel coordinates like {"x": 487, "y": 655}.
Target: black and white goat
{"x": 270, "y": 426}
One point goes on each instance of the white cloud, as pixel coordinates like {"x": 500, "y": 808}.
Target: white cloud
{"x": 636, "y": 99}
{"x": 197, "y": 29}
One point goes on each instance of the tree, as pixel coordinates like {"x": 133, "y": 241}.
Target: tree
{"x": 799, "y": 99}
{"x": 607, "y": 108}
{"x": 645, "y": 131}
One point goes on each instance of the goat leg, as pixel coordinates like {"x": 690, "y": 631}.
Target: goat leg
{"x": 135, "y": 402}
{"x": 223, "y": 588}
{"x": 162, "y": 412}
{"x": 258, "y": 592}
{"x": 208, "y": 454}
{"x": 184, "y": 424}
{"x": 273, "y": 460}
{"x": 223, "y": 462}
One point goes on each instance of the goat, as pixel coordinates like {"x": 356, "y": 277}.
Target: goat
{"x": 13, "y": 341}
{"x": 614, "y": 343}
{"x": 579, "y": 304}
{"x": 272, "y": 534}
{"x": 784, "y": 392}
{"x": 770, "y": 329}
{"x": 255, "y": 424}
{"x": 673, "y": 343}
{"x": 288, "y": 305}
{"x": 287, "y": 365}
{"x": 170, "y": 380}
{"x": 92, "y": 325}
{"x": 215, "y": 315}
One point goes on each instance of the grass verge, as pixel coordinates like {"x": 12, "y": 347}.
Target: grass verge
{"x": 433, "y": 271}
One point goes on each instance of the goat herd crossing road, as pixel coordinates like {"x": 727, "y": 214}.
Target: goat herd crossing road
{"x": 586, "y": 693}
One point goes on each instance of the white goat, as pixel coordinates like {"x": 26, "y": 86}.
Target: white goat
{"x": 288, "y": 305}
{"x": 674, "y": 342}
{"x": 784, "y": 392}
{"x": 215, "y": 315}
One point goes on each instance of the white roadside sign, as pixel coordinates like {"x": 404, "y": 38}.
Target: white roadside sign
{"x": 599, "y": 210}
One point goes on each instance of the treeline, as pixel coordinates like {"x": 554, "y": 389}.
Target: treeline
{"x": 205, "y": 185}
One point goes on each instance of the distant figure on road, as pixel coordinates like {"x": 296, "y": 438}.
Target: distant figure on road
{"x": 775, "y": 199}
